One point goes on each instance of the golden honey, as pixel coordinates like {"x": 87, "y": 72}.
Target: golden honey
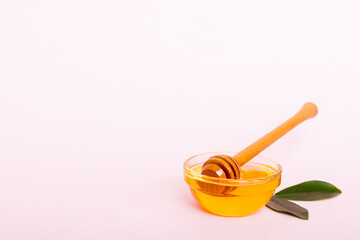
{"x": 258, "y": 180}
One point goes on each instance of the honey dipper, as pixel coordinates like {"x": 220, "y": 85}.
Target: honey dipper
{"x": 223, "y": 166}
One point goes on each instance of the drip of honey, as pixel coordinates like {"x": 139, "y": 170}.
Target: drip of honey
{"x": 254, "y": 189}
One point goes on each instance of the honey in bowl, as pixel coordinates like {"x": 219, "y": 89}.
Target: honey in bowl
{"x": 240, "y": 197}
{"x": 237, "y": 185}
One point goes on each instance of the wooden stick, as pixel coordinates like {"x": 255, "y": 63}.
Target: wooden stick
{"x": 309, "y": 110}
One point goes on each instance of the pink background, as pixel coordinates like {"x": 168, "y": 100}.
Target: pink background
{"x": 101, "y": 102}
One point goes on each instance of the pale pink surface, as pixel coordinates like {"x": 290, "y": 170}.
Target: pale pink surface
{"x": 101, "y": 102}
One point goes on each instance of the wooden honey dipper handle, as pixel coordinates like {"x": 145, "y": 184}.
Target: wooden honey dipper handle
{"x": 309, "y": 110}
{"x": 226, "y": 167}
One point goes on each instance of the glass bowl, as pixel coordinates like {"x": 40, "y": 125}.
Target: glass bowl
{"x": 258, "y": 180}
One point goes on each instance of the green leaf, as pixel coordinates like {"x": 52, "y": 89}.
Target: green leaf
{"x": 285, "y": 206}
{"x": 309, "y": 191}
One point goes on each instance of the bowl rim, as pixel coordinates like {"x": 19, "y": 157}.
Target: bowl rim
{"x": 221, "y": 181}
